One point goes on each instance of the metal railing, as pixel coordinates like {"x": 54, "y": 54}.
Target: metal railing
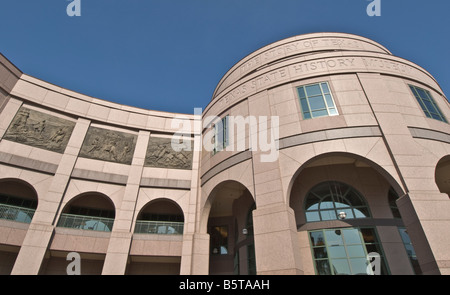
{"x": 16, "y": 213}
{"x": 86, "y": 222}
{"x": 159, "y": 227}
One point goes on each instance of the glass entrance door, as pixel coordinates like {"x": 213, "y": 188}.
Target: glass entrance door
{"x": 345, "y": 251}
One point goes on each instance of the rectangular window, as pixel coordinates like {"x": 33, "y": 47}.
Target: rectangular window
{"x": 427, "y": 103}
{"x": 221, "y": 139}
{"x": 316, "y": 101}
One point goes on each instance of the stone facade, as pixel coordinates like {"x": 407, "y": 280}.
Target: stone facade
{"x": 178, "y": 208}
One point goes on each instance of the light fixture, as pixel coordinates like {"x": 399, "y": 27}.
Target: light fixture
{"x": 244, "y": 231}
{"x": 342, "y": 215}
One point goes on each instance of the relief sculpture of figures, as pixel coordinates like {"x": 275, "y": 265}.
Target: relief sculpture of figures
{"x": 107, "y": 145}
{"x": 40, "y": 130}
{"x": 160, "y": 154}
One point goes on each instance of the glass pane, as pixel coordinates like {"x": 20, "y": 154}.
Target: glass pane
{"x": 325, "y": 88}
{"x": 359, "y": 266}
{"x": 317, "y": 103}
{"x": 304, "y": 104}
{"x": 317, "y": 238}
{"x": 312, "y": 202}
{"x": 356, "y": 251}
{"x": 322, "y": 189}
{"x": 421, "y": 103}
{"x": 341, "y": 203}
{"x": 334, "y": 237}
{"x": 372, "y": 248}
{"x": 312, "y": 216}
{"x": 320, "y": 252}
{"x": 328, "y": 215}
{"x": 410, "y": 250}
{"x": 329, "y": 100}
{"x": 348, "y": 212}
{"x": 307, "y": 115}
{"x": 351, "y": 236}
{"x": 354, "y": 199}
{"x": 301, "y": 92}
{"x": 429, "y": 106}
{"x": 332, "y": 111}
{"x": 368, "y": 235}
{"x": 337, "y": 252}
{"x": 404, "y": 235}
{"x": 422, "y": 93}
{"x": 327, "y": 203}
{"x": 437, "y": 117}
{"x": 323, "y": 267}
{"x": 340, "y": 266}
{"x": 312, "y": 90}
{"x": 361, "y": 212}
{"x": 322, "y": 113}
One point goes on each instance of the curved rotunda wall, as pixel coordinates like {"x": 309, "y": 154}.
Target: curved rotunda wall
{"x": 297, "y": 46}
{"x": 378, "y": 119}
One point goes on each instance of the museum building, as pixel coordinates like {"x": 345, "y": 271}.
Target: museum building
{"x": 362, "y": 165}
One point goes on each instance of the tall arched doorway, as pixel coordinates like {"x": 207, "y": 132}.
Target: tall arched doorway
{"x": 344, "y": 213}
{"x": 230, "y": 226}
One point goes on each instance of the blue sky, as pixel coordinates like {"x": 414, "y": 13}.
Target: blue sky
{"x": 169, "y": 55}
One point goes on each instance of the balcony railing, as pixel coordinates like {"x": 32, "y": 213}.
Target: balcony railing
{"x": 15, "y": 213}
{"x": 86, "y": 222}
{"x": 159, "y": 227}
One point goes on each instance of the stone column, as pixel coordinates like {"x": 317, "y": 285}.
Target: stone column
{"x": 120, "y": 241}
{"x": 41, "y": 229}
{"x": 200, "y": 254}
{"x": 276, "y": 243}
{"x": 425, "y": 216}
{"x": 7, "y": 115}
{"x": 277, "y": 248}
{"x": 187, "y": 256}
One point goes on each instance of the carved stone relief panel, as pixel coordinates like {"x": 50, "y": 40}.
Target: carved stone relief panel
{"x": 161, "y": 154}
{"x": 40, "y": 130}
{"x": 108, "y": 145}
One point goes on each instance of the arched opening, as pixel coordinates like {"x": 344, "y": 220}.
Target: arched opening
{"x": 344, "y": 208}
{"x": 230, "y": 226}
{"x": 159, "y": 222}
{"x": 442, "y": 175}
{"x": 89, "y": 211}
{"x": 161, "y": 216}
{"x": 18, "y": 201}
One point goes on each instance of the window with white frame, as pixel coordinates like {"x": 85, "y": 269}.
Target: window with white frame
{"x": 427, "y": 103}
{"x": 220, "y": 138}
{"x": 316, "y": 100}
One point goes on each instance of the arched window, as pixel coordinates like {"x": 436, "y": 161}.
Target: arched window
{"x": 333, "y": 200}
